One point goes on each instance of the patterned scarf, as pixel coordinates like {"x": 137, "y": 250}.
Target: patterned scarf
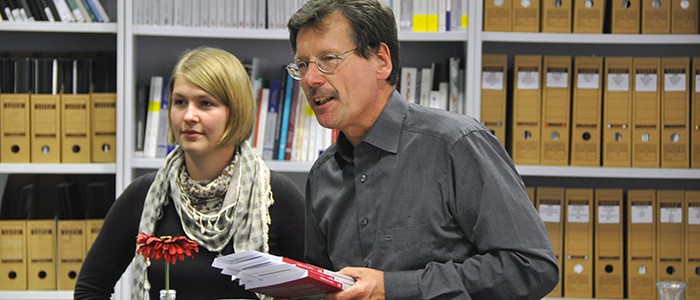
{"x": 243, "y": 215}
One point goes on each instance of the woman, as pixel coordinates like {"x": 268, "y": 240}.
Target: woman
{"x": 212, "y": 188}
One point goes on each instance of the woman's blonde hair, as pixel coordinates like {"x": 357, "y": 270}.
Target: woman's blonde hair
{"x": 223, "y": 76}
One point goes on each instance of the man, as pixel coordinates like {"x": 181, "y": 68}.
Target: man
{"x": 413, "y": 202}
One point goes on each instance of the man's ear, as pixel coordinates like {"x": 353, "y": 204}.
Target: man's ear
{"x": 384, "y": 65}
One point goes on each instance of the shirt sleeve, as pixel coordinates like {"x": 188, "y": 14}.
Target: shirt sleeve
{"x": 114, "y": 247}
{"x": 513, "y": 256}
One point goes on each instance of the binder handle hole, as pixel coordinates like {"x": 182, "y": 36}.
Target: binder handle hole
{"x": 72, "y": 274}
{"x": 554, "y": 136}
{"x": 670, "y": 270}
{"x": 42, "y": 274}
{"x": 106, "y": 148}
{"x": 524, "y": 3}
{"x": 617, "y": 137}
{"x": 586, "y": 136}
{"x": 527, "y": 135}
{"x": 642, "y": 270}
{"x": 646, "y": 137}
{"x": 675, "y": 137}
{"x": 626, "y": 4}
{"x": 608, "y": 269}
{"x": 12, "y": 275}
{"x": 697, "y": 271}
{"x": 75, "y": 149}
{"x": 14, "y": 149}
{"x": 45, "y": 149}
{"x": 498, "y": 3}
{"x": 557, "y": 3}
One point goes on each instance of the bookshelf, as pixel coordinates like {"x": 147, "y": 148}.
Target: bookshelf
{"x": 146, "y": 50}
{"x": 60, "y": 37}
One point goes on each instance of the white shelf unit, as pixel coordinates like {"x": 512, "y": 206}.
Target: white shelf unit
{"x": 66, "y": 37}
{"x": 513, "y": 43}
{"x": 153, "y": 50}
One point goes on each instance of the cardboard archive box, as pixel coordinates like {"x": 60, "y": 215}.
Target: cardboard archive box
{"x": 626, "y": 16}
{"x": 670, "y": 237}
{"x": 494, "y": 89}
{"x": 103, "y": 116}
{"x": 587, "y": 108}
{"x": 15, "y": 136}
{"x": 578, "y": 243}
{"x": 526, "y": 16}
{"x": 549, "y": 204}
{"x": 617, "y": 112}
{"x": 556, "y": 106}
{"x": 498, "y": 15}
{"x": 646, "y": 114}
{"x": 46, "y": 128}
{"x": 589, "y": 16}
{"x": 557, "y": 16}
{"x": 641, "y": 244}
{"x": 675, "y": 113}
{"x": 527, "y": 91}
{"x": 692, "y": 244}
{"x": 656, "y": 16}
{"x": 609, "y": 255}
{"x": 75, "y": 128}
{"x": 41, "y": 254}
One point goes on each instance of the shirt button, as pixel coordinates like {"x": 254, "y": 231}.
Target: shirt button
{"x": 364, "y": 221}
{"x": 365, "y": 263}
{"x": 363, "y": 178}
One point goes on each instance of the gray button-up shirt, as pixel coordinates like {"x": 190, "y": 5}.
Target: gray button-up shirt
{"x": 433, "y": 200}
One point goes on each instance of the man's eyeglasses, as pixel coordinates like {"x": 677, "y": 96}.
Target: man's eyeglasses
{"x": 326, "y": 63}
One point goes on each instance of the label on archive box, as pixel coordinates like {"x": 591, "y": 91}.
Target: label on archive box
{"x": 674, "y": 82}
{"x": 671, "y": 215}
{"x": 550, "y": 213}
{"x": 491, "y": 80}
{"x": 588, "y": 81}
{"x": 528, "y": 80}
{"x": 642, "y": 214}
{"x": 645, "y": 82}
{"x": 693, "y": 215}
{"x": 578, "y": 214}
{"x": 557, "y": 79}
{"x": 608, "y": 214}
{"x": 618, "y": 82}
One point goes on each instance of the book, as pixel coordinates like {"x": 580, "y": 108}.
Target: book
{"x": 279, "y": 276}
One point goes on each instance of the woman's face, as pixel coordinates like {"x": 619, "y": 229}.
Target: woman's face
{"x": 198, "y": 120}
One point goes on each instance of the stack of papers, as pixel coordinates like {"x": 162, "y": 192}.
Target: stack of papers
{"x": 280, "y": 277}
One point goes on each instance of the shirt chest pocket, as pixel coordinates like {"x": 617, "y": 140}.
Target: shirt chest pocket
{"x": 405, "y": 246}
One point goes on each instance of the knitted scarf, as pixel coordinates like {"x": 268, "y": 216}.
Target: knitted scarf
{"x": 243, "y": 216}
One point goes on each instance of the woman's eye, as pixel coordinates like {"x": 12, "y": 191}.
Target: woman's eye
{"x": 178, "y": 102}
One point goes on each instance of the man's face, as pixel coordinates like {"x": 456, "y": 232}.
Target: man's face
{"x": 341, "y": 98}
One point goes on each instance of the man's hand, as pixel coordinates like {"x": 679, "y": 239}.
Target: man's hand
{"x": 369, "y": 284}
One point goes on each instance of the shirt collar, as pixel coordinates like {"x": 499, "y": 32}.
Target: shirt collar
{"x": 384, "y": 134}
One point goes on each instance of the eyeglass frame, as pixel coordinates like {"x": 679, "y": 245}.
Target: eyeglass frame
{"x": 295, "y": 64}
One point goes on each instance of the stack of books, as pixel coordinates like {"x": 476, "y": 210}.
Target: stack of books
{"x": 280, "y": 277}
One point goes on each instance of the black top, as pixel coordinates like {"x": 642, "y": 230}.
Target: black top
{"x": 192, "y": 278}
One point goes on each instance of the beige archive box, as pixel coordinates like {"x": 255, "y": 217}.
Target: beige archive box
{"x": 656, "y": 16}
{"x": 557, "y": 16}
{"x": 15, "y": 133}
{"x": 670, "y": 237}
{"x": 684, "y": 17}
{"x": 692, "y": 244}
{"x": 578, "y": 243}
{"x": 92, "y": 230}
{"x": 589, "y": 16}
{"x": 695, "y": 115}
{"x": 675, "y": 113}
{"x": 646, "y": 114}
{"x": 587, "y": 107}
{"x": 626, "y": 16}
{"x": 13, "y": 255}
{"x": 70, "y": 252}
{"x": 494, "y": 90}
{"x": 549, "y": 203}
{"x": 609, "y": 255}
{"x": 641, "y": 244}
{"x": 527, "y": 91}
{"x": 617, "y": 112}
{"x": 46, "y": 128}
{"x": 498, "y": 15}
{"x": 103, "y": 115}
{"x": 556, "y": 106}
{"x": 526, "y": 15}
{"x": 75, "y": 128}
{"x": 41, "y": 254}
